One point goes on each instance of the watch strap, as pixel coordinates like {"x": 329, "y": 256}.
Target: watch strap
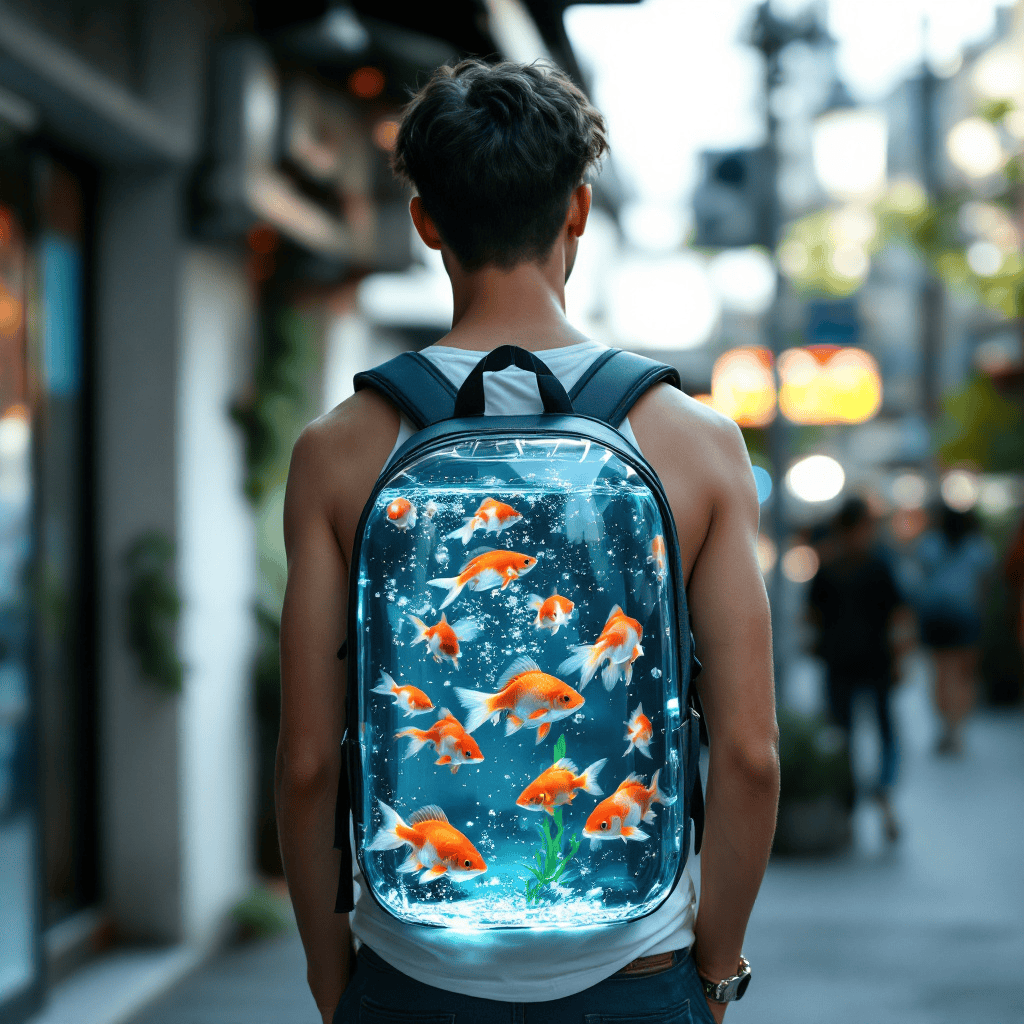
{"x": 728, "y": 989}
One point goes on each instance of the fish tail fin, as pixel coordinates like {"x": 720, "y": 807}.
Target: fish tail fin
{"x": 630, "y": 747}
{"x": 449, "y": 583}
{"x": 610, "y": 675}
{"x": 584, "y": 660}
{"x": 421, "y": 629}
{"x": 656, "y": 794}
{"x": 466, "y": 629}
{"x": 535, "y": 602}
{"x": 416, "y": 740}
{"x": 590, "y": 778}
{"x": 478, "y": 705}
{"x": 387, "y": 838}
{"x": 464, "y": 532}
{"x": 387, "y": 688}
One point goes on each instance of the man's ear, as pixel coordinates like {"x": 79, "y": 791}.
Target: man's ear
{"x": 424, "y": 225}
{"x": 579, "y": 210}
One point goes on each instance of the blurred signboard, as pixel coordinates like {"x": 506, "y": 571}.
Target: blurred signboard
{"x": 731, "y": 205}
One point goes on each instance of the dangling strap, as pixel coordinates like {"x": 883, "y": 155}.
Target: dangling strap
{"x": 614, "y": 381}
{"x": 345, "y": 900}
{"x": 412, "y": 383}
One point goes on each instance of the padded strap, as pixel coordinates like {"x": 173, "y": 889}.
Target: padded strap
{"x": 412, "y": 383}
{"x": 614, "y": 381}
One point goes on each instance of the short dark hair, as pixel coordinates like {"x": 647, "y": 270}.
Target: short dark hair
{"x": 495, "y": 151}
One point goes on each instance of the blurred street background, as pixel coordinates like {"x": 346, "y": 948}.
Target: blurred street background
{"x": 815, "y": 211}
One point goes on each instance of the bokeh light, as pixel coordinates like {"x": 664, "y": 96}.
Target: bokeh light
{"x": 763, "y": 482}
{"x": 385, "y": 134}
{"x": 743, "y": 386}
{"x": 850, "y": 152}
{"x": 822, "y": 384}
{"x": 960, "y": 490}
{"x": 909, "y": 490}
{"x": 974, "y": 147}
{"x": 816, "y": 478}
{"x": 767, "y": 554}
{"x": 366, "y": 83}
{"x": 800, "y": 563}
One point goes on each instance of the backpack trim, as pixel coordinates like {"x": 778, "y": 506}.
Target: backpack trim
{"x": 412, "y": 383}
{"x": 349, "y": 800}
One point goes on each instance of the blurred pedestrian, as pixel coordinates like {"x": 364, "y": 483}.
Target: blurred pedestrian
{"x": 854, "y": 601}
{"x": 954, "y": 559}
{"x": 1013, "y": 570}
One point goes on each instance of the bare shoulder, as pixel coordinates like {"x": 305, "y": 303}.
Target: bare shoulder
{"x": 701, "y": 459}
{"x": 337, "y": 459}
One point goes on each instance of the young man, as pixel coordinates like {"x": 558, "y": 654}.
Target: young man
{"x": 497, "y": 156}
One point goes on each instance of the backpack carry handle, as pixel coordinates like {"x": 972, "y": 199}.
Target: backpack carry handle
{"x": 470, "y": 399}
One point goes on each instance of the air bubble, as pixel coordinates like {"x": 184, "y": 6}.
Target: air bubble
{"x": 441, "y": 554}
{"x": 656, "y": 673}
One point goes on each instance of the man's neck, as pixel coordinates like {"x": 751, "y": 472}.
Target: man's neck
{"x": 524, "y": 306}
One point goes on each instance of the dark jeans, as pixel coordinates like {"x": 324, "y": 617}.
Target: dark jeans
{"x": 841, "y": 692}
{"x": 378, "y": 994}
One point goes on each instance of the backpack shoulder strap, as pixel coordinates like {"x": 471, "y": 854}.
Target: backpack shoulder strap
{"x": 413, "y": 384}
{"x": 614, "y": 381}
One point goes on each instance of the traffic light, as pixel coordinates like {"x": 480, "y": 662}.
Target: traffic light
{"x": 731, "y": 205}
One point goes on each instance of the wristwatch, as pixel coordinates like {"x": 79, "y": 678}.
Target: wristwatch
{"x": 728, "y": 989}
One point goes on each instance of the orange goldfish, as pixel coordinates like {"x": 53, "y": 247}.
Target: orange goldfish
{"x": 530, "y": 697}
{"x": 411, "y": 700}
{"x": 618, "y": 644}
{"x": 442, "y": 639}
{"x": 486, "y": 571}
{"x": 639, "y": 732}
{"x": 453, "y": 745}
{"x": 618, "y": 816}
{"x": 657, "y": 557}
{"x": 492, "y": 517}
{"x": 552, "y": 613}
{"x": 558, "y": 784}
{"x": 438, "y": 848}
{"x": 402, "y": 513}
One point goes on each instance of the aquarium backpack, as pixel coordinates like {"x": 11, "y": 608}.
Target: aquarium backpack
{"x": 522, "y": 740}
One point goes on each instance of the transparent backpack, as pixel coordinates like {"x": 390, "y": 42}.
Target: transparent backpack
{"x": 521, "y": 748}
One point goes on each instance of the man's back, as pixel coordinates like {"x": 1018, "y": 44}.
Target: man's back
{"x": 508, "y": 278}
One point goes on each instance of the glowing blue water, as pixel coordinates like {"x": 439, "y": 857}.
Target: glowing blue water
{"x": 590, "y": 523}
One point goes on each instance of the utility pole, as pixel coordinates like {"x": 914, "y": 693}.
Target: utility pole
{"x": 771, "y": 35}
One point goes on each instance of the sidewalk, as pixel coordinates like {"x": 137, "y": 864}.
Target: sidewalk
{"x": 928, "y": 932}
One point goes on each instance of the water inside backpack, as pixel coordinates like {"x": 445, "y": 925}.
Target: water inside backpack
{"x": 519, "y": 716}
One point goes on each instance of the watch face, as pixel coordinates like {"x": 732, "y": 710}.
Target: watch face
{"x": 742, "y": 987}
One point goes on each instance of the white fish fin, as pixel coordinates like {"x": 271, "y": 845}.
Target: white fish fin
{"x": 645, "y": 749}
{"x": 630, "y": 747}
{"x": 632, "y": 815}
{"x": 535, "y": 602}
{"x": 480, "y": 549}
{"x": 616, "y": 610}
{"x": 656, "y": 794}
{"x": 635, "y": 833}
{"x": 386, "y": 688}
{"x": 496, "y": 718}
{"x": 434, "y": 873}
{"x": 410, "y": 864}
{"x": 386, "y": 839}
{"x": 631, "y": 777}
{"x": 586, "y": 658}
{"x": 421, "y": 630}
{"x": 386, "y": 680}
{"x": 636, "y": 714}
{"x": 486, "y": 579}
{"x": 518, "y": 667}
{"x": 477, "y": 703}
{"x": 610, "y": 675}
{"x": 594, "y": 843}
{"x": 449, "y": 583}
{"x": 443, "y": 713}
{"x": 464, "y": 532}
{"x": 431, "y": 812}
{"x": 416, "y": 743}
{"x": 590, "y": 778}
{"x": 649, "y": 817}
{"x": 565, "y": 762}
{"x": 466, "y": 629}
{"x": 513, "y": 724}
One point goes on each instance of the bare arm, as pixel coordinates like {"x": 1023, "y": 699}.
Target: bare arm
{"x": 312, "y": 720}
{"x": 732, "y": 625}
{"x": 334, "y": 466}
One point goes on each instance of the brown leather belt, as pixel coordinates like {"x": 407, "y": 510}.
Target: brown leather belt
{"x": 644, "y": 965}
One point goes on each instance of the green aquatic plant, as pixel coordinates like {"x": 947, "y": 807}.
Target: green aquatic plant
{"x": 550, "y": 860}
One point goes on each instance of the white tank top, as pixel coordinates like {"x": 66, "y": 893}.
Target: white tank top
{"x": 520, "y": 965}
